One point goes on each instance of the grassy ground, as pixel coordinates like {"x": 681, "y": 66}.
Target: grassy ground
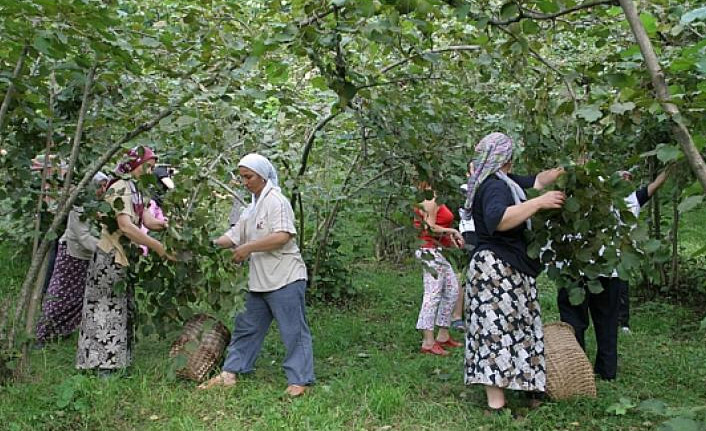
{"x": 370, "y": 377}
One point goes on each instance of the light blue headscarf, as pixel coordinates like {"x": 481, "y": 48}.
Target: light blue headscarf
{"x": 261, "y": 166}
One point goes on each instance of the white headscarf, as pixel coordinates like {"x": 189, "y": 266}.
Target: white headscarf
{"x": 261, "y": 166}
{"x": 100, "y": 177}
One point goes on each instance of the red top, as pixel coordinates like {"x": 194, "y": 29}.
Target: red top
{"x": 444, "y": 218}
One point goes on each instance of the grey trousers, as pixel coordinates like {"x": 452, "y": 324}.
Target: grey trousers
{"x": 286, "y": 306}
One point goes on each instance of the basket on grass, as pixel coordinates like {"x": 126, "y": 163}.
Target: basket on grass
{"x": 569, "y": 373}
{"x": 202, "y": 342}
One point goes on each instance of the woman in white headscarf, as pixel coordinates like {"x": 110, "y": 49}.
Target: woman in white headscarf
{"x": 265, "y": 234}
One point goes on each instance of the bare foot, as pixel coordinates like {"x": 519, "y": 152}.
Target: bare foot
{"x": 296, "y": 390}
{"x": 225, "y": 379}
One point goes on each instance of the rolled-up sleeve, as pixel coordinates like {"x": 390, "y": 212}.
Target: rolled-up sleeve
{"x": 281, "y": 216}
{"x": 233, "y": 234}
{"x": 495, "y": 199}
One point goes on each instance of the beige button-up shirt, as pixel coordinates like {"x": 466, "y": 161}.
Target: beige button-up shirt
{"x": 270, "y": 270}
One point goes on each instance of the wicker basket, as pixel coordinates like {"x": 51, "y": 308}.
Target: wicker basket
{"x": 202, "y": 341}
{"x": 569, "y": 373}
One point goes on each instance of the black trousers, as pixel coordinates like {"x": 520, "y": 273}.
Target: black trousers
{"x": 603, "y": 309}
{"x": 624, "y": 306}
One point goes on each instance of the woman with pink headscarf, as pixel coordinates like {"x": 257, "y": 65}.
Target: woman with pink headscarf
{"x": 106, "y": 334}
{"x": 504, "y": 338}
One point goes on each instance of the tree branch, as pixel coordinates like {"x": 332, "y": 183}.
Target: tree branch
{"x": 524, "y": 13}
{"x": 451, "y": 48}
{"x": 78, "y": 134}
{"x": 11, "y": 88}
{"x": 556, "y": 70}
{"x": 310, "y": 140}
{"x": 317, "y": 16}
{"x": 679, "y": 129}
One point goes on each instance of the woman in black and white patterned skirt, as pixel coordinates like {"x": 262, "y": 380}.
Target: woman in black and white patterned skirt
{"x": 504, "y": 338}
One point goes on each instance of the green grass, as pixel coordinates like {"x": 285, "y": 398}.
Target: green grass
{"x": 370, "y": 377}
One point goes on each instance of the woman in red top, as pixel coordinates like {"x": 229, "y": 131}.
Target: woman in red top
{"x": 440, "y": 282}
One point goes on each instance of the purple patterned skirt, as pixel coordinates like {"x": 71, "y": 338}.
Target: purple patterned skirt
{"x": 61, "y": 308}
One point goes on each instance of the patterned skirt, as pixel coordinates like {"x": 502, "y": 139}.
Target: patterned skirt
{"x": 106, "y": 335}
{"x": 61, "y": 308}
{"x": 504, "y": 340}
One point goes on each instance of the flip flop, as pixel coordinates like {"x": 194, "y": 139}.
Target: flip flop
{"x": 458, "y": 325}
{"x": 219, "y": 380}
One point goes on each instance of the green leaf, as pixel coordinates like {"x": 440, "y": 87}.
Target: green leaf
{"x": 614, "y": 11}
{"x": 509, "y": 10}
{"x": 185, "y": 120}
{"x": 630, "y": 260}
{"x": 365, "y": 8}
{"x": 680, "y": 424}
{"x": 649, "y": 22}
{"x": 530, "y": 27}
{"x": 667, "y": 153}
{"x": 41, "y": 44}
{"x": 595, "y": 286}
{"x": 319, "y": 82}
{"x": 277, "y": 72}
{"x": 548, "y": 6}
{"x": 621, "y": 407}
{"x": 652, "y": 245}
{"x": 589, "y": 113}
{"x": 620, "y": 80}
{"x": 690, "y": 203}
{"x": 621, "y": 108}
{"x": 572, "y": 204}
{"x": 149, "y": 42}
{"x": 576, "y": 295}
{"x": 338, "y": 3}
{"x": 657, "y": 407}
{"x": 693, "y": 15}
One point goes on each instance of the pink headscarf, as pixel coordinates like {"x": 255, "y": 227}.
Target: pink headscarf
{"x": 134, "y": 158}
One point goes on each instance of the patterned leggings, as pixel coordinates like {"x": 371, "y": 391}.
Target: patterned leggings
{"x": 440, "y": 290}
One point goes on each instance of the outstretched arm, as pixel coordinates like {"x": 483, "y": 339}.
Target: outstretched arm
{"x": 657, "y": 183}
{"x": 546, "y": 178}
{"x": 135, "y": 235}
{"x": 517, "y": 214}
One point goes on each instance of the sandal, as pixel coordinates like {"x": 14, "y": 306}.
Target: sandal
{"x": 223, "y": 379}
{"x": 458, "y": 325}
{"x": 435, "y": 349}
{"x": 450, "y": 342}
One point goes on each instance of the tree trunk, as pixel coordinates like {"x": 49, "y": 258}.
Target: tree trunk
{"x": 25, "y": 299}
{"x": 679, "y": 129}
{"x": 322, "y": 236}
{"x": 34, "y": 301}
{"x": 674, "y": 281}
{"x": 11, "y": 88}
{"x": 78, "y": 134}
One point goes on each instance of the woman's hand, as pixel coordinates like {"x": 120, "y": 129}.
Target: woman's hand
{"x": 162, "y": 252}
{"x": 241, "y": 253}
{"x": 550, "y": 200}
{"x": 545, "y": 178}
{"x": 457, "y": 239}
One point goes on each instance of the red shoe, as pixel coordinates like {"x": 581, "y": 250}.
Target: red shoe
{"x": 436, "y": 349}
{"x": 450, "y": 343}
